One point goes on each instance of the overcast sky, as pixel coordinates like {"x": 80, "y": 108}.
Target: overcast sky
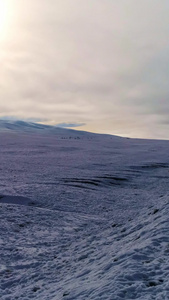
{"x": 101, "y": 64}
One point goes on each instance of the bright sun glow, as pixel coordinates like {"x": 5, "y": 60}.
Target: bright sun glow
{"x": 4, "y": 17}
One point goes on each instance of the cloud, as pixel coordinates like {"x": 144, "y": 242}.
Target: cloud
{"x": 102, "y": 63}
{"x": 67, "y": 125}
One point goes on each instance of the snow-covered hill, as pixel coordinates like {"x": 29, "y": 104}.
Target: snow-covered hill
{"x": 42, "y": 129}
{"x": 83, "y": 218}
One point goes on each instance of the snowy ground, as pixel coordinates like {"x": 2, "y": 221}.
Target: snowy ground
{"x": 83, "y": 217}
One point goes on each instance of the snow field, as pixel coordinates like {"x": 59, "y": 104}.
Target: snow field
{"x": 48, "y": 255}
{"x": 83, "y": 218}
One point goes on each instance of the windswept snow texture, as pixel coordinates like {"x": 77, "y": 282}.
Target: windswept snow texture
{"x": 83, "y": 216}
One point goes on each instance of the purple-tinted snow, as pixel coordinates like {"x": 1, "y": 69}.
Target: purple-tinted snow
{"x": 83, "y": 216}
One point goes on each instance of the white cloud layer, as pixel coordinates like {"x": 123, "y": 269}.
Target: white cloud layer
{"x": 103, "y": 63}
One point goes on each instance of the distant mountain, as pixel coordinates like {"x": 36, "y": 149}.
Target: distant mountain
{"x": 30, "y": 127}
{"x": 22, "y": 126}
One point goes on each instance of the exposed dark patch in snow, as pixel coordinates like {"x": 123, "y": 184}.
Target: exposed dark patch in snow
{"x": 17, "y": 200}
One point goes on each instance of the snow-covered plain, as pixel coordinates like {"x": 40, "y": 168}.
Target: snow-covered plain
{"x": 83, "y": 216}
